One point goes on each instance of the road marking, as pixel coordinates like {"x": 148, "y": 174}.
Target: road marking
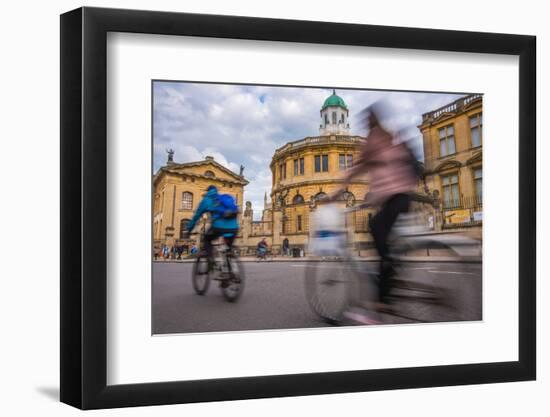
{"x": 427, "y": 269}
{"x": 435, "y": 271}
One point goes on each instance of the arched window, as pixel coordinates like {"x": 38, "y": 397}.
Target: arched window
{"x": 319, "y": 196}
{"x": 209, "y": 174}
{"x": 298, "y": 199}
{"x": 183, "y": 227}
{"x": 348, "y": 197}
{"x": 187, "y": 201}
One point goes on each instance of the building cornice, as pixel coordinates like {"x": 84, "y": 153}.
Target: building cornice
{"x": 451, "y": 110}
{"x": 282, "y": 188}
{"x": 175, "y": 169}
{"x": 313, "y": 142}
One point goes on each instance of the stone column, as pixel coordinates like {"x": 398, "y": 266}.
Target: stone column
{"x": 277, "y": 227}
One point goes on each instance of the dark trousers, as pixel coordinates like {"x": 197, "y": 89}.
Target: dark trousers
{"x": 381, "y": 225}
{"x": 214, "y": 233}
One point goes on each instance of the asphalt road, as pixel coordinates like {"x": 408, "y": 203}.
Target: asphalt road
{"x": 274, "y": 298}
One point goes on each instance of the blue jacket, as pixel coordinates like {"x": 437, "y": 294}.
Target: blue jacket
{"x": 207, "y": 205}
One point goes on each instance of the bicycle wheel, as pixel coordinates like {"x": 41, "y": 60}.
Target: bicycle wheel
{"x": 233, "y": 285}
{"x": 329, "y": 288}
{"x": 417, "y": 295}
{"x": 431, "y": 293}
{"x": 201, "y": 275}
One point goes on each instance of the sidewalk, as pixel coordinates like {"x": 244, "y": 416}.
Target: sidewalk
{"x": 448, "y": 259}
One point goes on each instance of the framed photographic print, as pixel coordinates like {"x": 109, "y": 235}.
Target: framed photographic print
{"x": 257, "y": 208}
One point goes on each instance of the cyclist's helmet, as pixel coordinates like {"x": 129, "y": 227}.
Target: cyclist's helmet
{"x": 212, "y": 188}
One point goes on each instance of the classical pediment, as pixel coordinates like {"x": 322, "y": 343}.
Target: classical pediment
{"x": 442, "y": 117}
{"x": 204, "y": 169}
{"x": 477, "y": 157}
{"x": 447, "y": 165}
{"x": 474, "y": 102}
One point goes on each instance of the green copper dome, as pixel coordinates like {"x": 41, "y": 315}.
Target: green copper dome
{"x": 334, "y": 100}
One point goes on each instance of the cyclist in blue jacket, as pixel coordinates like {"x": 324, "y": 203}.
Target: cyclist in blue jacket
{"x": 224, "y": 221}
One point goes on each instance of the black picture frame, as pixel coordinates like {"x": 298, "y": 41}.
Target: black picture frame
{"x": 84, "y": 179}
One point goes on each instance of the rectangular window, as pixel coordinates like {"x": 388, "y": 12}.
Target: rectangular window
{"x": 475, "y": 130}
{"x": 187, "y": 201}
{"x": 282, "y": 171}
{"x": 299, "y": 223}
{"x": 299, "y": 166}
{"x": 451, "y": 198}
{"x": 317, "y": 163}
{"x": 447, "y": 141}
{"x": 345, "y": 161}
{"x": 325, "y": 163}
{"x": 333, "y": 117}
{"x": 478, "y": 184}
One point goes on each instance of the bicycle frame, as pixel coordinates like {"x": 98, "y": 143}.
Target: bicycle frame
{"x": 225, "y": 268}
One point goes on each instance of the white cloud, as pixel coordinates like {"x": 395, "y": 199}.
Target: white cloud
{"x": 221, "y": 159}
{"x": 238, "y": 124}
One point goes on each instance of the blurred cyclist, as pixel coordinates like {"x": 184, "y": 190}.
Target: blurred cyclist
{"x": 224, "y": 218}
{"x": 262, "y": 249}
{"x": 392, "y": 178}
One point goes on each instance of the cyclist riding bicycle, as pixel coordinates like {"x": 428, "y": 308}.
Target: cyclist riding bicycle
{"x": 391, "y": 170}
{"x": 262, "y": 249}
{"x": 224, "y": 218}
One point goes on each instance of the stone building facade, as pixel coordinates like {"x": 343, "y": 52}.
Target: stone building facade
{"x": 177, "y": 192}
{"x": 453, "y": 159}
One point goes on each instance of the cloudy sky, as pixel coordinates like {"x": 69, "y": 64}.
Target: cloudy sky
{"x": 241, "y": 124}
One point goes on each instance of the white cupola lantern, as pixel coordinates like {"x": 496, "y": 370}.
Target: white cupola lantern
{"x": 334, "y": 116}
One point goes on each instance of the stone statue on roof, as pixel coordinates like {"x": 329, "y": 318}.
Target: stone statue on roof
{"x": 248, "y": 209}
{"x": 170, "y": 153}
